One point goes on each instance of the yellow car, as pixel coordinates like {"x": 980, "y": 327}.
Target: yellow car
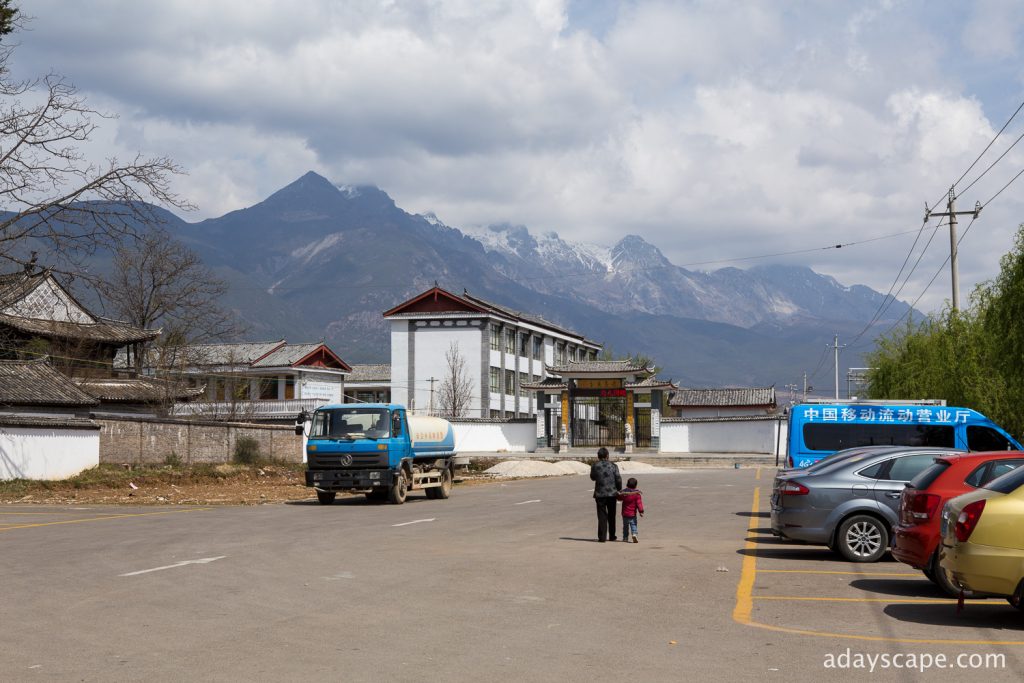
{"x": 983, "y": 538}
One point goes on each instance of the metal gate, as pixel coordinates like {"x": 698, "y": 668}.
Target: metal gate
{"x": 598, "y": 421}
{"x": 642, "y": 420}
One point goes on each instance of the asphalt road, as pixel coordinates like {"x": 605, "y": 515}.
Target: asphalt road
{"x": 502, "y": 582}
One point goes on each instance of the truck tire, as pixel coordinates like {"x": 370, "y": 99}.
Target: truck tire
{"x": 862, "y": 538}
{"x": 399, "y": 489}
{"x": 326, "y": 497}
{"x": 445, "y": 489}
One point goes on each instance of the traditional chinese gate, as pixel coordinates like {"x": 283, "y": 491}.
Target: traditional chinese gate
{"x": 598, "y": 421}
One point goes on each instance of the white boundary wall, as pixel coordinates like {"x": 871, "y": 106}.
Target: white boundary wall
{"x": 723, "y": 436}
{"x": 47, "y": 452}
{"x": 495, "y": 437}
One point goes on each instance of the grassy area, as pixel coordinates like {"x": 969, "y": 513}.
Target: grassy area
{"x": 117, "y": 476}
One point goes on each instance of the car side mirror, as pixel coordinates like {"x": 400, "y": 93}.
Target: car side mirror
{"x": 300, "y": 423}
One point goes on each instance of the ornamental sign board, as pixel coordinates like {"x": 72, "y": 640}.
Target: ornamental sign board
{"x": 599, "y": 384}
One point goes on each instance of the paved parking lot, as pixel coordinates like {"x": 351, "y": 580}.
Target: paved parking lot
{"x": 502, "y": 581}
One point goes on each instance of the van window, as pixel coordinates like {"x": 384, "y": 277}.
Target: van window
{"x": 833, "y": 437}
{"x": 987, "y": 439}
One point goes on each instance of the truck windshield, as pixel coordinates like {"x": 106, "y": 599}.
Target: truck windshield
{"x": 351, "y": 423}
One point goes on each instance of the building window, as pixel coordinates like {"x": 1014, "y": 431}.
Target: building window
{"x": 510, "y": 382}
{"x": 571, "y": 353}
{"x": 524, "y": 345}
{"x": 561, "y": 353}
{"x": 289, "y": 387}
{"x": 524, "y": 378}
{"x": 510, "y": 341}
{"x": 495, "y": 414}
{"x": 538, "y": 348}
{"x": 495, "y": 338}
{"x": 495, "y": 378}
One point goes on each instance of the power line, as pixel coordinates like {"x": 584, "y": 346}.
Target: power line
{"x": 987, "y": 147}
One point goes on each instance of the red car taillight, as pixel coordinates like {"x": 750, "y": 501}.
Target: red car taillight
{"x": 967, "y": 520}
{"x": 792, "y": 488}
{"x": 918, "y": 507}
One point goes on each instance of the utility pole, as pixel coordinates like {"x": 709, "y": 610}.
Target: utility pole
{"x": 792, "y": 393}
{"x": 432, "y": 380}
{"x": 952, "y": 213}
{"x": 835, "y": 348}
{"x": 805, "y": 386}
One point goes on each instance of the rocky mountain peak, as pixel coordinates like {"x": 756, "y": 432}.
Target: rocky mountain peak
{"x": 634, "y": 252}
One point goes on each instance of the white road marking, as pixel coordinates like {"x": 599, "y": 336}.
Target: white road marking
{"x": 204, "y": 560}
{"x": 415, "y": 521}
{"x": 528, "y": 501}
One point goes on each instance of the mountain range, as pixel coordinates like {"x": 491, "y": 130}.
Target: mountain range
{"x": 318, "y": 260}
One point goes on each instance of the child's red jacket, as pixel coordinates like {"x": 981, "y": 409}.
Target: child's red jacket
{"x": 632, "y": 502}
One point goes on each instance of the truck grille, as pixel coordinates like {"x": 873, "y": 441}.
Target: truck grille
{"x": 335, "y": 460}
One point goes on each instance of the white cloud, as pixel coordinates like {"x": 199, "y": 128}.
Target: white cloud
{"x": 715, "y": 130}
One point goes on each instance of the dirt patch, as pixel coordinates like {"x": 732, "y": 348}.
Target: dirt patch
{"x": 168, "y": 485}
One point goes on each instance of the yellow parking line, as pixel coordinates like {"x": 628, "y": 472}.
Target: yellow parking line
{"x": 745, "y": 588}
{"x": 98, "y": 519}
{"x": 906, "y": 575}
{"x": 741, "y": 614}
{"x": 893, "y": 600}
{"x": 757, "y": 476}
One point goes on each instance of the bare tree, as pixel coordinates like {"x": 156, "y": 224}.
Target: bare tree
{"x": 456, "y": 393}
{"x": 55, "y": 200}
{"x": 159, "y": 282}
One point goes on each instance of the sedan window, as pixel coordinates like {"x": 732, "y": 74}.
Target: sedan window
{"x": 909, "y": 466}
{"x": 876, "y": 471}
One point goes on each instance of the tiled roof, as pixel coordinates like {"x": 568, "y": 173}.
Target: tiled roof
{"x": 243, "y": 353}
{"x": 136, "y": 389}
{"x": 380, "y": 372}
{"x": 48, "y": 422}
{"x": 520, "y": 315}
{"x": 36, "y": 382}
{"x": 546, "y": 383}
{"x": 651, "y": 382}
{"x": 285, "y": 355}
{"x": 626, "y": 365}
{"x": 757, "y": 396}
{"x": 51, "y": 311}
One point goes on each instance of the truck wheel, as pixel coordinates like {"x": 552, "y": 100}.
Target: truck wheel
{"x": 445, "y": 489}
{"x": 398, "y": 490}
{"x": 326, "y": 497}
{"x": 862, "y": 538}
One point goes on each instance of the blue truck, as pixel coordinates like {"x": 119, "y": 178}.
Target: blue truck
{"x": 378, "y": 449}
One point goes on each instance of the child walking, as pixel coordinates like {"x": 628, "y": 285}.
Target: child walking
{"x": 632, "y": 505}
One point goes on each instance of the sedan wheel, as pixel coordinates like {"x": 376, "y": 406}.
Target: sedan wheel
{"x": 862, "y": 538}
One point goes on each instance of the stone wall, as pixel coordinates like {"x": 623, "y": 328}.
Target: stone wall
{"x": 154, "y": 440}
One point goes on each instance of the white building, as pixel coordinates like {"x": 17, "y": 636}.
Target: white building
{"x": 503, "y": 351}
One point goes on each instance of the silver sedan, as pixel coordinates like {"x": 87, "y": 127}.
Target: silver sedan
{"x": 850, "y": 505}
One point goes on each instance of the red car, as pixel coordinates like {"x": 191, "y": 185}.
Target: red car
{"x": 916, "y": 536}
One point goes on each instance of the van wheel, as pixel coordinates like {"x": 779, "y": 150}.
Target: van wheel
{"x": 326, "y": 497}
{"x": 944, "y": 580}
{"x": 398, "y": 490}
{"x": 862, "y": 538}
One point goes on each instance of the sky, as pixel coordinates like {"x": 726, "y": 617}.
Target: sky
{"x": 715, "y": 130}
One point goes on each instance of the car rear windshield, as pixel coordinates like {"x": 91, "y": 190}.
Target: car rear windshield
{"x": 1008, "y": 483}
{"x": 928, "y": 477}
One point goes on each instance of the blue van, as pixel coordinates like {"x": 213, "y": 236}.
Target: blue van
{"x": 820, "y": 429}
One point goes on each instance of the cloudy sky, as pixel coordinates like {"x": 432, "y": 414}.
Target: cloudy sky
{"x": 715, "y": 130}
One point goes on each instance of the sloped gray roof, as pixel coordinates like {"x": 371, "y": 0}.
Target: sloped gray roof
{"x": 14, "y": 287}
{"x": 756, "y": 396}
{"x": 36, "y": 382}
{"x": 242, "y": 353}
{"x": 285, "y": 355}
{"x": 379, "y": 372}
{"x": 651, "y": 382}
{"x": 136, "y": 389}
{"x": 546, "y": 383}
{"x": 525, "y": 317}
{"x": 595, "y": 366}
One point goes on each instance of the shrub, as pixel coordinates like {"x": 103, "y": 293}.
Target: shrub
{"x": 172, "y": 459}
{"x": 247, "y": 451}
